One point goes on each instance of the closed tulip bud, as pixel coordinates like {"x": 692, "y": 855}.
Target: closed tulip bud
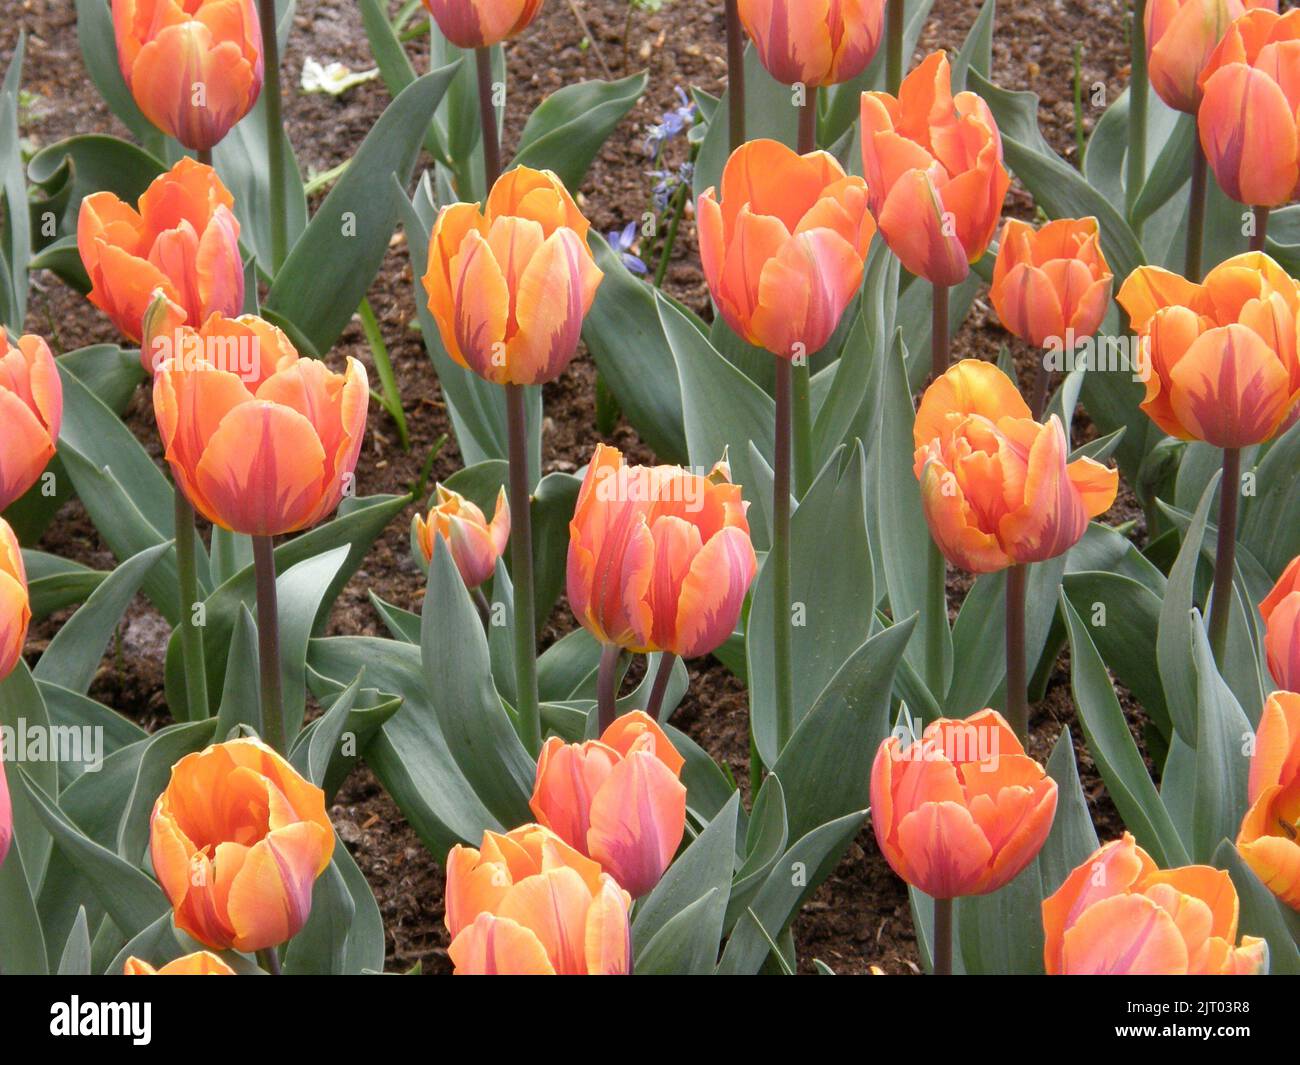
{"x": 933, "y": 164}
{"x": 200, "y": 963}
{"x": 259, "y": 458}
{"x": 1051, "y": 287}
{"x": 1219, "y": 357}
{"x": 659, "y": 559}
{"x": 1117, "y": 914}
{"x": 814, "y": 42}
{"x": 1281, "y": 613}
{"x": 475, "y": 543}
{"x": 1181, "y": 35}
{"x": 1248, "y": 118}
{"x": 509, "y": 286}
{"x": 194, "y": 67}
{"x": 15, "y": 609}
{"x": 482, "y": 23}
{"x": 31, "y": 410}
{"x": 1269, "y": 839}
{"x": 996, "y": 486}
{"x": 618, "y": 800}
{"x": 783, "y": 251}
{"x": 238, "y": 838}
{"x": 962, "y": 810}
{"x": 183, "y": 241}
{"x": 528, "y": 904}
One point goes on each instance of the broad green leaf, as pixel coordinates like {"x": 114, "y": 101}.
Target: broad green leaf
{"x": 75, "y": 960}
{"x": 687, "y": 943}
{"x": 22, "y": 949}
{"x": 162, "y": 751}
{"x": 320, "y": 949}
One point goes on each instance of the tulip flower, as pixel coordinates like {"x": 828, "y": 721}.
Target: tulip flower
{"x": 933, "y": 164}
{"x": 31, "y": 410}
{"x": 1269, "y": 839}
{"x": 249, "y": 347}
{"x": 183, "y": 241}
{"x": 1180, "y": 36}
{"x": 509, "y": 286}
{"x": 526, "y": 903}
{"x": 263, "y": 460}
{"x": 475, "y": 543}
{"x": 1118, "y": 914}
{"x": 194, "y": 67}
{"x": 618, "y": 800}
{"x": 783, "y": 252}
{"x": 237, "y": 839}
{"x": 482, "y": 23}
{"x": 15, "y": 609}
{"x": 200, "y": 963}
{"x": 1281, "y": 613}
{"x": 814, "y": 42}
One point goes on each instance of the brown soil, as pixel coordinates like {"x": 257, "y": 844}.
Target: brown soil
{"x": 860, "y": 917}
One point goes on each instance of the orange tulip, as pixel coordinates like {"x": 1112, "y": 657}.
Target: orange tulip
{"x": 618, "y": 800}
{"x": 1051, "y": 287}
{"x": 1281, "y": 613}
{"x": 933, "y": 163}
{"x": 659, "y": 559}
{"x": 1181, "y": 35}
{"x": 528, "y": 904}
{"x": 962, "y": 810}
{"x": 482, "y": 23}
{"x": 183, "y": 240}
{"x": 1269, "y": 839}
{"x": 814, "y": 42}
{"x": 1117, "y": 914}
{"x": 510, "y": 286}
{"x": 238, "y": 838}
{"x": 1220, "y": 356}
{"x": 475, "y": 544}
{"x": 1251, "y": 97}
{"x": 262, "y": 459}
{"x": 15, "y": 609}
{"x": 193, "y": 66}
{"x": 996, "y": 485}
{"x": 200, "y": 963}
{"x": 784, "y": 251}
{"x": 31, "y": 410}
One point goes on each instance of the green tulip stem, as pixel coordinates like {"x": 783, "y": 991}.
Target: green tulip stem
{"x": 1225, "y": 553}
{"x": 896, "y": 17}
{"x": 274, "y": 133}
{"x": 779, "y": 559}
{"x": 521, "y": 546}
{"x": 196, "y": 675}
{"x": 662, "y": 676}
{"x": 942, "y": 937}
{"x": 735, "y": 75}
{"x": 607, "y": 685}
{"x": 1017, "y": 678}
{"x": 1138, "y": 90}
{"x": 488, "y": 118}
{"x": 940, "y": 342}
{"x": 936, "y": 603}
{"x": 269, "y": 960}
{"x": 268, "y": 642}
{"x": 1260, "y": 237}
{"x": 1196, "y": 213}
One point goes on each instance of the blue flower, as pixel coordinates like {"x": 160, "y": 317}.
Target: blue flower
{"x": 671, "y": 123}
{"x": 623, "y": 241}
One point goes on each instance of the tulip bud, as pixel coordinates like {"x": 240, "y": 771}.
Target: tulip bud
{"x": 1269, "y": 839}
{"x": 475, "y": 544}
{"x": 996, "y": 485}
{"x": 268, "y": 449}
{"x": 1117, "y": 914}
{"x": 200, "y": 963}
{"x": 814, "y": 42}
{"x": 617, "y": 800}
{"x": 962, "y": 810}
{"x": 482, "y": 23}
{"x": 783, "y": 251}
{"x": 1281, "y": 613}
{"x": 183, "y": 242}
{"x": 509, "y": 286}
{"x": 1220, "y": 357}
{"x": 15, "y": 609}
{"x": 1051, "y": 287}
{"x": 31, "y": 410}
{"x": 194, "y": 67}
{"x": 238, "y": 838}
{"x": 659, "y": 559}
{"x": 1181, "y": 35}
{"x": 933, "y": 164}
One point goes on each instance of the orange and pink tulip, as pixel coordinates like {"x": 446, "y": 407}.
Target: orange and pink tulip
{"x": 194, "y": 67}
{"x": 1118, "y": 914}
{"x": 183, "y": 240}
{"x": 15, "y": 607}
{"x": 1280, "y": 611}
{"x": 527, "y": 904}
{"x": 238, "y": 838}
{"x": 783, "y": 251}
{"x": 659, "y": 559}
{"x": 962, "y": 810}
{"x": 814, "y": 42}
{"x": 1269, "y": 839}
{"x": 200, "y": 963}
{"x": 618, "y": 800}
{"x": 933, "y": 164}
{"x": 475, "y": 543}
{"x": 1219, "y": 357}
{"x": 482, "y": 23}
{"x": 510, "y": 285}
{"x": 997, "y": 487}
{"x": 1181, "y": 35}
{"x": 31, "y": 410}
{"x": 1051, "y": 286}
{"x": 260, "y": 458}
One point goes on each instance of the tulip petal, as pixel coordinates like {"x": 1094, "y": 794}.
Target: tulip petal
{"x": 638, "y": 818}
{"x": 499, "y": 946}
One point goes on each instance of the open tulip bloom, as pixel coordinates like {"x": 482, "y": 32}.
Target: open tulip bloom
{"x": 31, "y": 406}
